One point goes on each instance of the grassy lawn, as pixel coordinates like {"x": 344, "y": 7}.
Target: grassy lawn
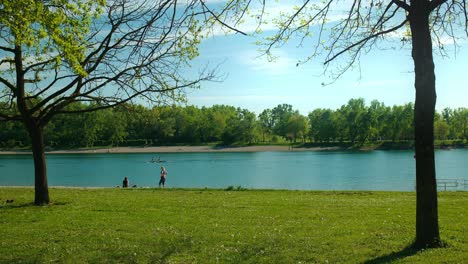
{"x": 209, "y": 226}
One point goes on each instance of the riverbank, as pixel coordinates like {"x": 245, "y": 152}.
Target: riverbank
{"x": 330, "y": 146}
{"x": 218, "y": 226}
{"x": 173, "y": 149}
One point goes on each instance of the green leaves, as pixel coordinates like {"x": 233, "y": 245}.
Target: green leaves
{"x": 57, "y": 27}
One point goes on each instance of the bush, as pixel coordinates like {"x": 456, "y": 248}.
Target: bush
{"x": 232, "y": 188}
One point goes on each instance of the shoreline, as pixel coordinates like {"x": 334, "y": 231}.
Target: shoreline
{"x": 175, "y": 149}
{"x": 156, "y": 188}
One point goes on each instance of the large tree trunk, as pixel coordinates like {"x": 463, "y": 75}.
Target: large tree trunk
{"x": 35, "y": 132}
{"x": 40, "y": 173}
{"x": 427, "y": 227}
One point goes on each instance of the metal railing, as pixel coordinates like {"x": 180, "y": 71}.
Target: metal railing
{"x": 452, "y": 184}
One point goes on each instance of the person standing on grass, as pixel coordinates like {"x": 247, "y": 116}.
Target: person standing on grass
{"x": 162, "y": 180}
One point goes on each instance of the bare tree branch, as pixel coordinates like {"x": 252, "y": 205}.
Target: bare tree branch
{"x": 39, "y": 64}
{"x": 436, "y": 3}
{"x": 280, "y": 35}
{"x": 112, "y": 102}
{"x": 8, "y": 84}
{"x": 466, "y": 17}
{"x": 402, "y": 4}
{"x": 7, "y": 49}
{"x": 216, "y": 17}
{"x": 7, "y": 61}
{"x": 367, "y": 39}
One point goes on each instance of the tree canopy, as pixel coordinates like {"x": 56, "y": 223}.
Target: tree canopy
{"x": 341, "y": 31}
{"x": 57, "y": 53}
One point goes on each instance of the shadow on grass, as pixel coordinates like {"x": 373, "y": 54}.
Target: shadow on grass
{"x": 408, "y": 251}
{"x": 16, "y": 205}
{"x": 31, "y": 205}
{"x": 404, "y": 253}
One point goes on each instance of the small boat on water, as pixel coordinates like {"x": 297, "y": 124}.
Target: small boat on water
{"x": 159, "y": 160}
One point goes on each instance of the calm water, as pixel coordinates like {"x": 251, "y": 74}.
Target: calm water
{"x": 377, "y": 170}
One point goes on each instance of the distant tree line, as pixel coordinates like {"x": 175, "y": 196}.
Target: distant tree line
{"x": 130, "y": 125}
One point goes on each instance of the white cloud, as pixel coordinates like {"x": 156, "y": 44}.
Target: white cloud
{"x": 282, "y": 64}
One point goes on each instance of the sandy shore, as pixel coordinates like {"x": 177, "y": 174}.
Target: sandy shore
{"x": 173, "y": 149}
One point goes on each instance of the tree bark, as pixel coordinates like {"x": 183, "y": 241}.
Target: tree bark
{"x": 35, "y": 131}
{"x": 427, "y": 227}
{"x": 40, "y": 173}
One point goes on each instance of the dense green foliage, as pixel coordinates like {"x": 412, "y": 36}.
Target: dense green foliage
{"x": 355, "y": 122}
{"x": 216, "y": 226}
{"x": 54, "y": 30}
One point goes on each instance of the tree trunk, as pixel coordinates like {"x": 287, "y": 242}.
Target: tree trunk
{"x": 427, "y": 227}
{"x": 40, "y": 173}
{"x": 35, "y": 132}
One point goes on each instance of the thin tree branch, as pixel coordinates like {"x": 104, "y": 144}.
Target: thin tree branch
{"x": 219, "y": 20}
{"x": 7, "y": 49}
{"x": 41, "y": 63}
{"x": 436, "y": 3}
{"x": 283, "y": 29}
{"x": 119, "y": 101}
{"x": 466, "y": 17}
{"x": 4, "y": 117}
{"x": 366, "y": 39}
{"x": 7, "y": 61}
{"x": 8, "y": 84}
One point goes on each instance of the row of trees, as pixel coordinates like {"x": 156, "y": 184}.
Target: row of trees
{"x": 355, "y": 122}
{"x": 359, "y": 123}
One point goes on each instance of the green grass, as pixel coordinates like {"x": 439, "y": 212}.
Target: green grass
{"x": 209, "y": 226}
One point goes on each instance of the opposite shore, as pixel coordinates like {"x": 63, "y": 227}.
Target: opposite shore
{"x": 174, "y": 149}
{"x": 250, "y": 148}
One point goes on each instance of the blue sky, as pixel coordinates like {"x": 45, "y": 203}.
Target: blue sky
{"x": 254, "y": 83}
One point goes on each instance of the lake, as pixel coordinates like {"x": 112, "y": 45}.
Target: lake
{"x": 332, "y": 170}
